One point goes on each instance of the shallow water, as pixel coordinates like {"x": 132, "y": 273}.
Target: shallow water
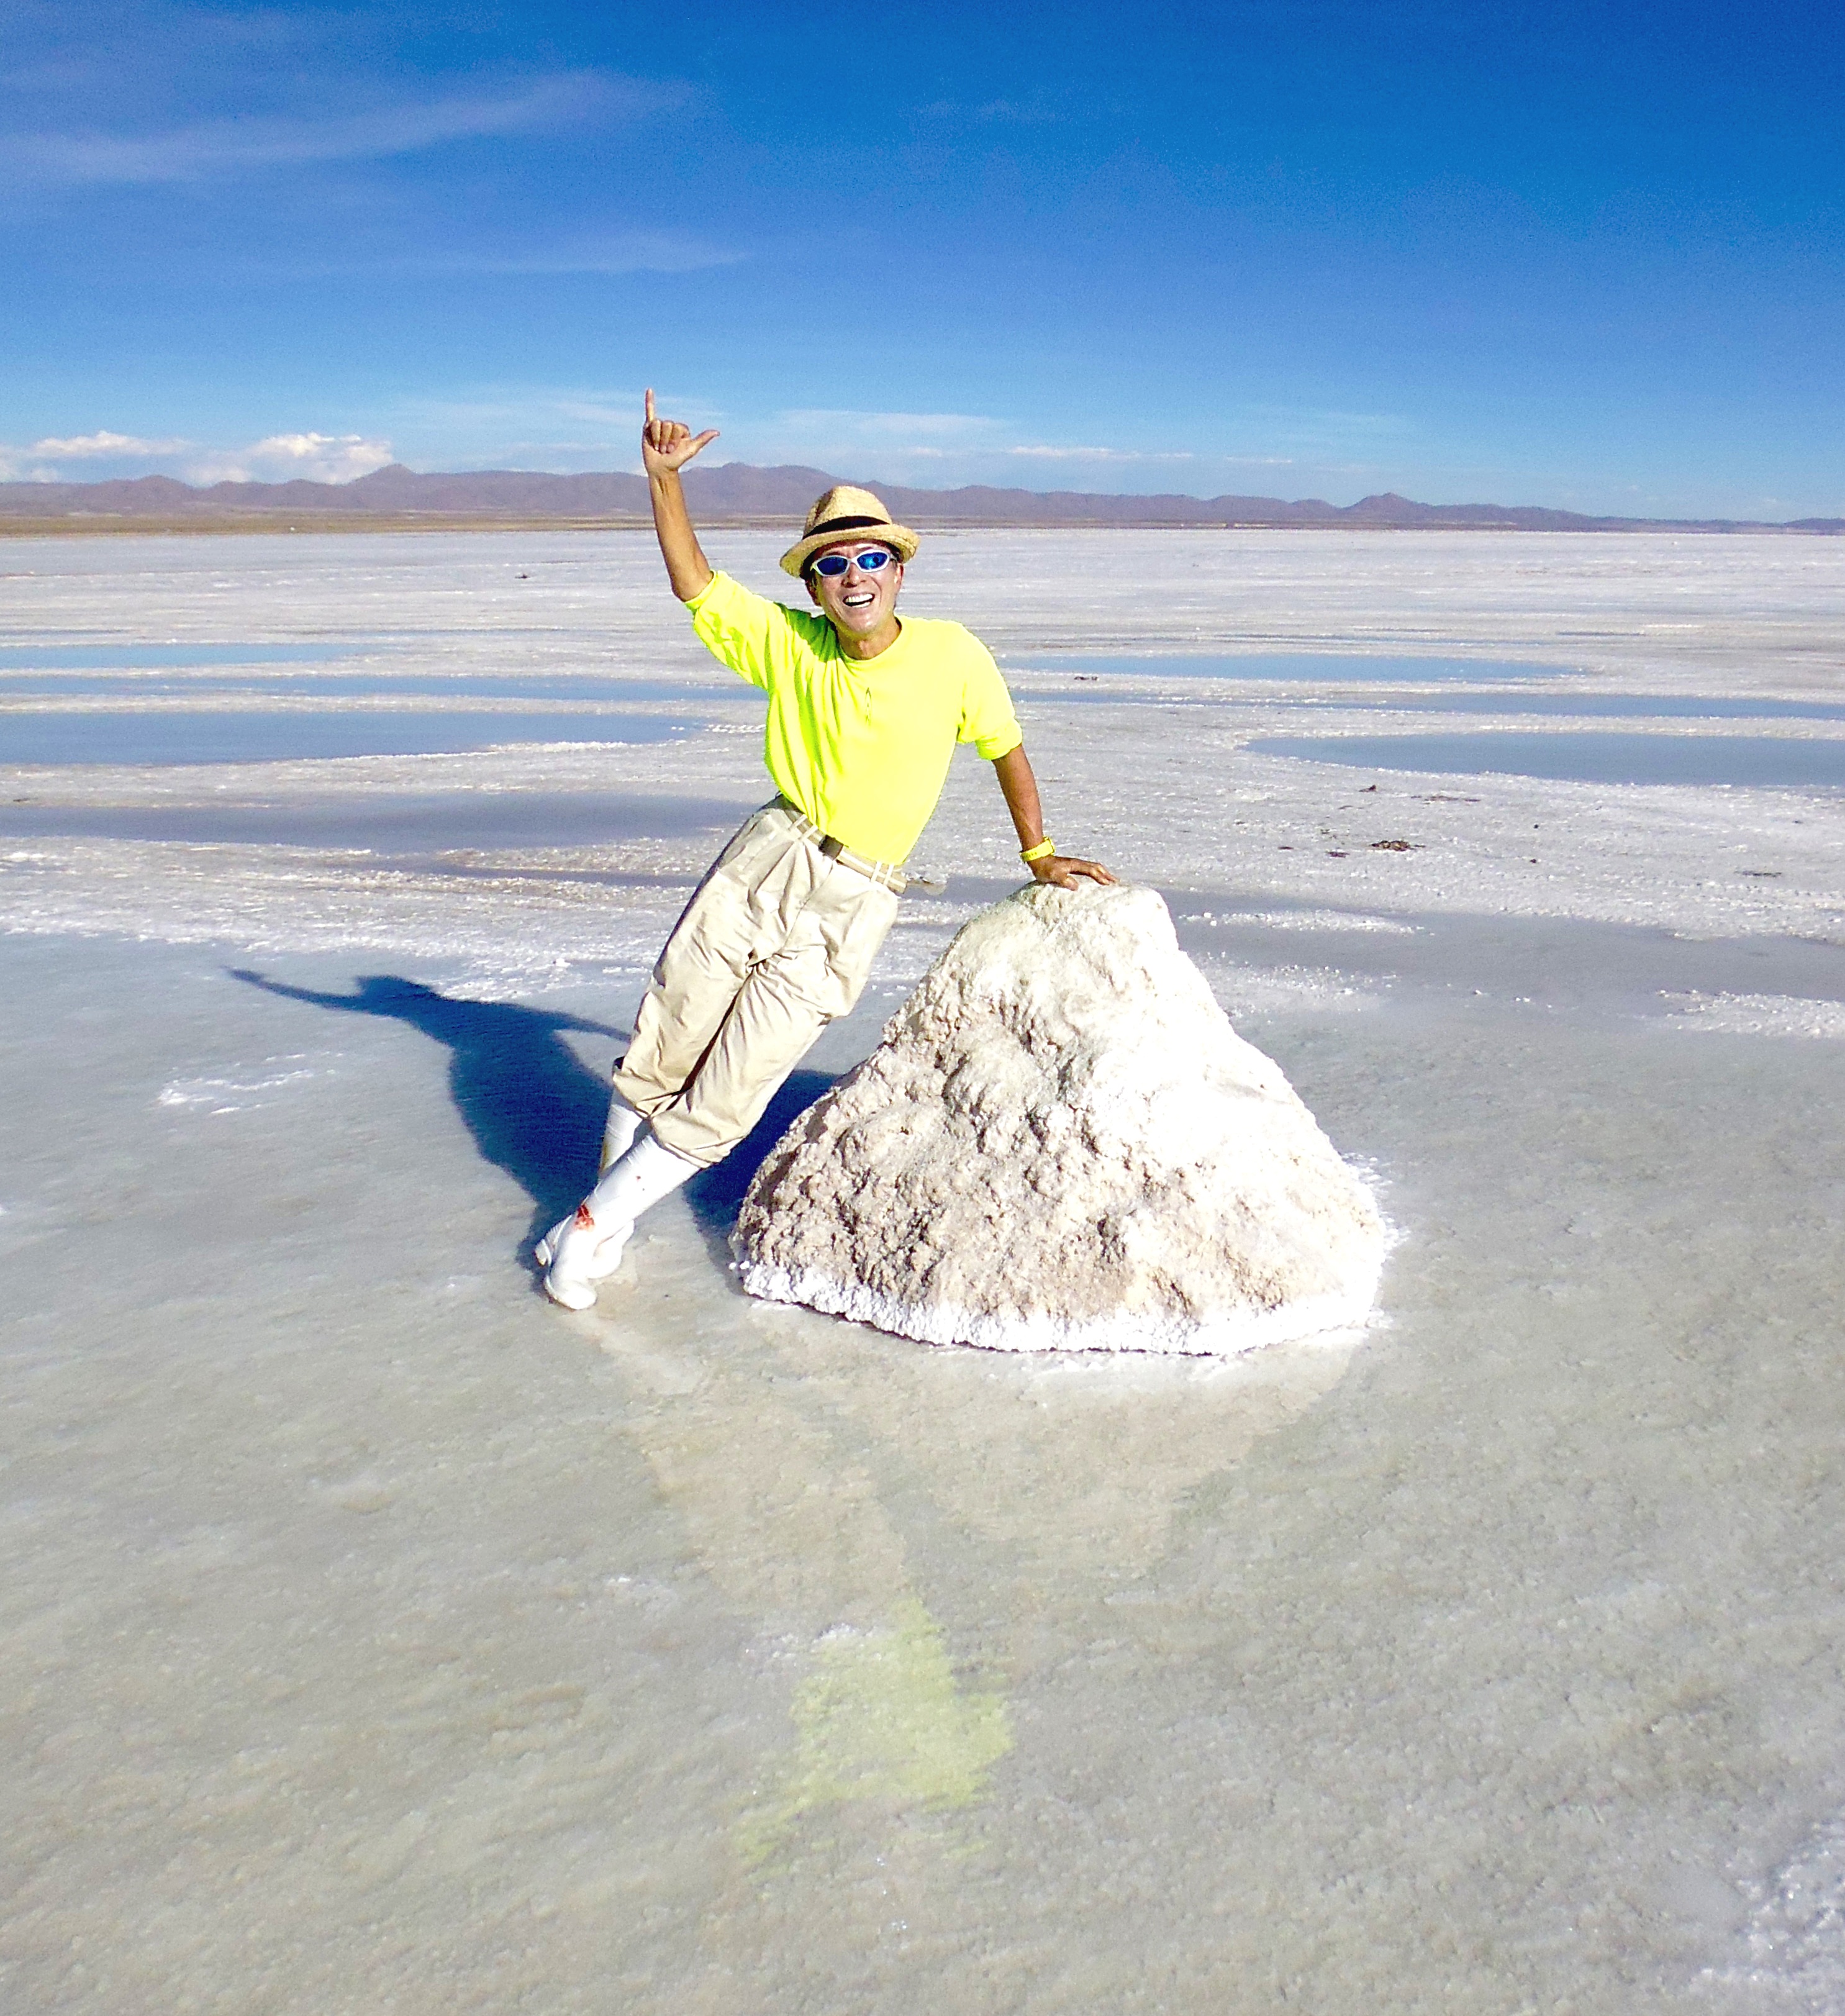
{"x": 141, "y": 658}
{"x": 1665, "y": 707}
{"x": 1587, "y": 756}
{"x": 191, "y": 735}
{"x": 336, "y": 687}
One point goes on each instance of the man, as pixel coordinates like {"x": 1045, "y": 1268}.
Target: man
{"x": 864, "y": 711}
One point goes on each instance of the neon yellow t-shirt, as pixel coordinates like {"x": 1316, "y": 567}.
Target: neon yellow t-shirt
{"x": 861, "y": 746}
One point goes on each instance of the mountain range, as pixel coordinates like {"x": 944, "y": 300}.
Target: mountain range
{"x": 737, "y": 493}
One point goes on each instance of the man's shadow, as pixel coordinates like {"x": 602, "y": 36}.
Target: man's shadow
{"x": 532, "y": 1107}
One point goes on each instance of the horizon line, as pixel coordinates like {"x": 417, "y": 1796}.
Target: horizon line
{"x": 1387, "y": 508}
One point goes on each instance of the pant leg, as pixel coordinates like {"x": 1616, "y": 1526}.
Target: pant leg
{"x": 738, "y": 915}
{"x": 817, "y": 973}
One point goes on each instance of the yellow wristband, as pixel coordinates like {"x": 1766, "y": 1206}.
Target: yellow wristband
{"x": 1037, "y": 853}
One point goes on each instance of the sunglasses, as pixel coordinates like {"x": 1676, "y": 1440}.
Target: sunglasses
{"x": 833, "y": 564}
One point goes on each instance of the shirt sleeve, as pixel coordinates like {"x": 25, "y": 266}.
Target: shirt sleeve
{"x": 988, "y": 720}
{"x": 753, "y": 636}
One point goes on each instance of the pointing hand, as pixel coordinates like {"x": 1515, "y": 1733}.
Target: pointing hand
{"x": 668, "y": 445}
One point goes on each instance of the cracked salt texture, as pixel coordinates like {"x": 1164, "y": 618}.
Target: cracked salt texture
{"x": 1062, "y": 1144}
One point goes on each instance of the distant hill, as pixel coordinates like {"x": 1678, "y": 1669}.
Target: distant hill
{"x": 736, "y": 493}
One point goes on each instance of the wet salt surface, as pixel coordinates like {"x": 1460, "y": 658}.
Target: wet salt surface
{"x": 143, "y": 657}
{"x": 338, "y": 687}
{"x": 688, "y": 1640}
{"x": 1326, "y": 668}
{"x": 374, "y": 1636}
{"x": 407, "y": 823}
{"x": 1552, "y": 964}
{"x": 1588, "y": 756}
{"x": 195, "y": 736}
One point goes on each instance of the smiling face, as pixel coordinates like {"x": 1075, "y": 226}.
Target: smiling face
{"x": 860, "y": 607}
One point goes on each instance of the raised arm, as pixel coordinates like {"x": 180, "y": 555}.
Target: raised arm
{"x": 666, "y": 448}
{"x": 1015, "y": 780}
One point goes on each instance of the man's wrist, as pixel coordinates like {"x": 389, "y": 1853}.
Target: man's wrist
{"x": 1042, "y": 851}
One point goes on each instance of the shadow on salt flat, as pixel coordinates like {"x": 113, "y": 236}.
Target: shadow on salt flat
{"x": 531, "y": 1106}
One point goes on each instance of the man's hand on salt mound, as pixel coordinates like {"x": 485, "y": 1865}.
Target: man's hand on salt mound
{"x": 1062, "y": 1144}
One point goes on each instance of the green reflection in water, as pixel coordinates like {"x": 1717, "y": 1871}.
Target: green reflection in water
{"x": 881, "y": 1718}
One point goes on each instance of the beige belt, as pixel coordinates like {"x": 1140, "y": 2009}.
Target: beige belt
{"x": 885, "y": 873}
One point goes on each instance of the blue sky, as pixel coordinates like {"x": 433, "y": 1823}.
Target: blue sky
{"x": 1591, "y": 255}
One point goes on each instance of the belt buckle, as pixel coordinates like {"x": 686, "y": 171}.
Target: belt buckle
{"x": 832, "y": 848}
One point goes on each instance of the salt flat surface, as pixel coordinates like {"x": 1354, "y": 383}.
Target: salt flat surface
{"x": 1314, "y": 668}
{"x": 376, "y": 1636}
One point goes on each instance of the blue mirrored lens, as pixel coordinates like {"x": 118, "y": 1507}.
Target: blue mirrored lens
{"x": 833, "y": 563}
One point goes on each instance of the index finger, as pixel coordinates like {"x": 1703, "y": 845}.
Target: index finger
{"x": 649, "y": 405}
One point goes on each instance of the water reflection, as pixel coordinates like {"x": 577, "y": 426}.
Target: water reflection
{"x": 879, "y": 1717}
{"x": 899, "y": 1522}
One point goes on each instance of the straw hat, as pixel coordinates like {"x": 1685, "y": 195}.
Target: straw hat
{"x": 846, "y": 513}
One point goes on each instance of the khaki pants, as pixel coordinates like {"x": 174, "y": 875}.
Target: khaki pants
{"x": 777, "y": 940}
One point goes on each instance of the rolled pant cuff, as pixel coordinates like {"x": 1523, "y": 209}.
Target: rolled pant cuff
{"x": 687, "y": 1140}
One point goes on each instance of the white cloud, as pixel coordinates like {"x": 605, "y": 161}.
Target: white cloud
{"x": 317, "y": 458}
{"x": 80, "y": 448}
{"x": 73, "y": 458}
{"x": 228, "y": 146}
{"x": 43, "y": 461}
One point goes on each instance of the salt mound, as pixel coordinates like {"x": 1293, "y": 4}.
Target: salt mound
{"x": 1062, "y": 1144}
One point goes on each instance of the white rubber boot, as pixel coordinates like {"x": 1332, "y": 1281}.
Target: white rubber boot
{"x": 587, "y": 1247}
{"x": 619, "y": 1130}
{"x": 618, "y": 1134}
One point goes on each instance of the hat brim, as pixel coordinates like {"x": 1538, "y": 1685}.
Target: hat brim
{"x": 899, "y": 539}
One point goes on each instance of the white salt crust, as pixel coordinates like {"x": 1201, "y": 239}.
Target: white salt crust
{"x": 1226, "y": 1336}
{"x": 1062, "y": 1145}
